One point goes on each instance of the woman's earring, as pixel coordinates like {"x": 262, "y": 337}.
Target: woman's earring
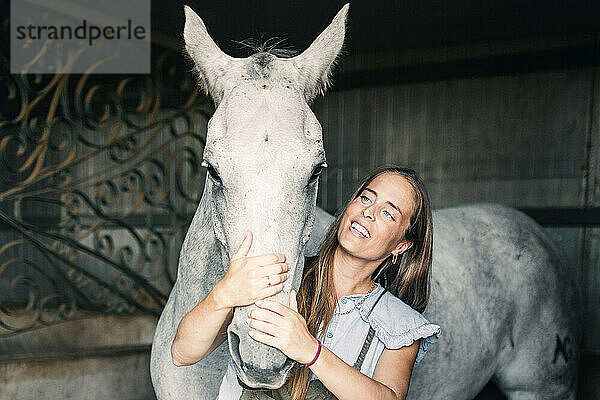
{"x": 394, "y": 258}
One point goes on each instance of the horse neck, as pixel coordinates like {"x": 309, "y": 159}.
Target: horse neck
{"x": 201, "y": 263}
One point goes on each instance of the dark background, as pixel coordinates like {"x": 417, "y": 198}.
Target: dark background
{"x": 380, "y": 24}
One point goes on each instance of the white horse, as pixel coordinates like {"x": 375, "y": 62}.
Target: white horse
{"x": 508, "y": 306}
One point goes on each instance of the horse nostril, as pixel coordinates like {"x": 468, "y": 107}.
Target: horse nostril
{"x": 258, "y": 368}
{"x": 234, "y": 347}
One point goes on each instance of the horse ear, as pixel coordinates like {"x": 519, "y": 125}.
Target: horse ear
{"x": 316, "y": 63}
{"x": 211, "y": 63}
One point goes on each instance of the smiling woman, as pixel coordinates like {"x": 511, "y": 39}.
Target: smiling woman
{"x": 355, "y": 329}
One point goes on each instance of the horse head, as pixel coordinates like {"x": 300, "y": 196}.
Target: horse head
{"x": 264, "y": 153}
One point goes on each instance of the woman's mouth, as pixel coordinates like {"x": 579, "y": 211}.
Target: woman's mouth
{"x": 359, "y": 231}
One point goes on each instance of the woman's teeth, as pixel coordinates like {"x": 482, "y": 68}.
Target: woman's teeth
{"x": 360, "y": 229}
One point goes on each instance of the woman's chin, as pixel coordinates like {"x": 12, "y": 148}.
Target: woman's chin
{"x": 352, "y": 246}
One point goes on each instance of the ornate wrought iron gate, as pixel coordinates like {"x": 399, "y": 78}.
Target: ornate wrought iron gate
{"x": 100, "y": 175}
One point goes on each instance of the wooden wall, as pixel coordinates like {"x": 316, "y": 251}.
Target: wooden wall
{"x": 525, "y": 133}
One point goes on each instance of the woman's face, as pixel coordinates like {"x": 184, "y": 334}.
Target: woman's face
{"x": 374, "y": 223}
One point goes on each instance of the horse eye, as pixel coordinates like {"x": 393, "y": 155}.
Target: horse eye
{"x": 212, "y": 172}
{"x": 317, "y": 172}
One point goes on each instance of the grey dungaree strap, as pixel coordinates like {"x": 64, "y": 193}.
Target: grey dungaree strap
{"x": 363, "y": 352}
{"x": 367, "y": 343}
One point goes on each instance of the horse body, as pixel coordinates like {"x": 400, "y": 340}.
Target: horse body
{"x": 507, "y": 305}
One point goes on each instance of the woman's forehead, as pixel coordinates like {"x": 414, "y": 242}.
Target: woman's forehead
{"x": 394, "y": 188}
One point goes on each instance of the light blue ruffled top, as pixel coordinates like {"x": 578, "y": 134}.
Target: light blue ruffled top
{"x": 395, "y": 323}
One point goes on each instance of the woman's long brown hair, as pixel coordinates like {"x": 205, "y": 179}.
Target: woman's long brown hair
{"x": 408, "y": 279}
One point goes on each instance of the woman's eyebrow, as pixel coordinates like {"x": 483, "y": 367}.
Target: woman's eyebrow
{"x": 389, "y": 202}
{"x": 371, "y": 190}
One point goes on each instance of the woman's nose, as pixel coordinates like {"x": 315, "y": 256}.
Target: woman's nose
{"x": 366, "y": 213}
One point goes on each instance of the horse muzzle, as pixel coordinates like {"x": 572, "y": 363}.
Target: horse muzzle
{"x": 257, "y": 365}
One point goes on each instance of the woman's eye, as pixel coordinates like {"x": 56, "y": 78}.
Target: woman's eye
{"x": 388, "y": 215}
{"x": 212, "y": 172}
{"x": 364, "y": 198}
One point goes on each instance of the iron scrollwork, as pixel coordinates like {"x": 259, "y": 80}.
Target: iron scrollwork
{"x": 100, "y": 177}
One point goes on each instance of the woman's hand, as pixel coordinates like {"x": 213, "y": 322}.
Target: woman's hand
{"x": 250, "y": 278}
{"x": 284, "y": 328}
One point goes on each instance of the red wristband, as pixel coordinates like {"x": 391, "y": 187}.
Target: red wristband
{"x": 316, "y": 356}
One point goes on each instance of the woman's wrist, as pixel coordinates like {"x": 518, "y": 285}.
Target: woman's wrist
{"x": 313, "y": 354}
{"x": 219, "y": 298}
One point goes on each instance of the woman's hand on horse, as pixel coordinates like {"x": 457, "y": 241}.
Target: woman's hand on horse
{"x": 284, "y": 328}
{"x": 249, "y": 279}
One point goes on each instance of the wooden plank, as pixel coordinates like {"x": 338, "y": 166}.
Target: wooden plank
{"x": 590, "y": 243}
{"x": 92, "y": 352}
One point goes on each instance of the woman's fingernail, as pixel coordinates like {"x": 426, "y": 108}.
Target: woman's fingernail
{"x": 258, "y": 302}
{"x": 249, "y": 319}
{"x": 251, "y": 333}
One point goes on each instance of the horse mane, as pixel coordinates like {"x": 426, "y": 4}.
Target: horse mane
{"x": 274, "y": 46}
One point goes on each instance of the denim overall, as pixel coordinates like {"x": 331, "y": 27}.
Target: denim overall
{"x": 316, "y": 390}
